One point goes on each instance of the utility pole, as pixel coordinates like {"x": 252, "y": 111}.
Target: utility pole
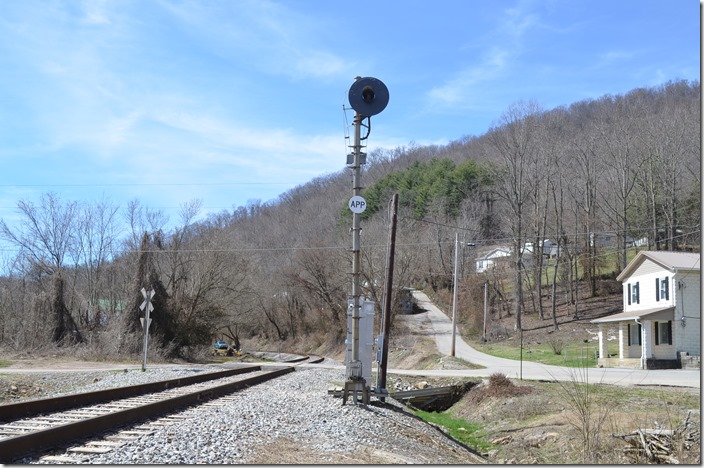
{"x": 486, "y": 307}
{"x": 454, "y": 295}
{"x": 388, "y": 288}
{"x": 368, "y": 97}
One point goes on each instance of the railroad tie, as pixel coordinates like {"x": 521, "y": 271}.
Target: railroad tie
{"x": 91, "y": 450}
{"x": 62, "y": 459}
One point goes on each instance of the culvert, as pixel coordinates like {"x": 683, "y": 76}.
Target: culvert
{"x": 434, "y": 399}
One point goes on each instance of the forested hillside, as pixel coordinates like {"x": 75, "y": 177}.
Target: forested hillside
{"x": 599, "y": 179}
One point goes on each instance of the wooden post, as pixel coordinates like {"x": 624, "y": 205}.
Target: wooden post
{"x": 388, "y": 288}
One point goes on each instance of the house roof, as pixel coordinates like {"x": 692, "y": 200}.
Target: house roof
{"x": 672, "y": 261}
{"x": 493, "y": 253}
{"x": 667, "y": 313}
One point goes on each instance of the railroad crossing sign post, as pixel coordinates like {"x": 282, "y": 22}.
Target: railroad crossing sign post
{"x": 368, "y": 97}
{"x": 147, "y": 307}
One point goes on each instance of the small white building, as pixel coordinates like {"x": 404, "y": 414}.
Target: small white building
{"x": 548, "y": 249}
{"x": 660, "y": 326}
{"x": 489, "y": 259}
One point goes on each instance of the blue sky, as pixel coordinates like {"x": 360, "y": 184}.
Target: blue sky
{"x": 231, "y": 101}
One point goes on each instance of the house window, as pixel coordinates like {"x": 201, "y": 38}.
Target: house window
{"x": 662, "y": 289}
{"x": 663, "y": 333}
{"x": 634, "y": 332}
{"x": 633, "y": 293}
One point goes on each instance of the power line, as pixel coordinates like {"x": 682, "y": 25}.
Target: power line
{"x": 156, "y": 184}
{"x": 286, "y": 249}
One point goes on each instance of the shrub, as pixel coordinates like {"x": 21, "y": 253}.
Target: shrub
{"x": 556, "y": 345}
{"x": 499, "y": 386}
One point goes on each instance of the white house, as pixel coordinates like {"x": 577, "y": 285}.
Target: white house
{"x": 548, "y": 248}
{"x": 490, "y": 258}
{"x": 660, "y": 326}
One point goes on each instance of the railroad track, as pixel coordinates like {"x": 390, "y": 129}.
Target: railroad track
{"x": 37, "y": 426}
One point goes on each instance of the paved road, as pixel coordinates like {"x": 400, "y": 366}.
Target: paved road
{"x": 442, "y": 327}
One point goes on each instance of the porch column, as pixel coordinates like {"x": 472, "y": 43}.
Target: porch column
{"x": 603, "y": 351}
{"x": 622, "y": 339}
{"x": 647, "y": 342}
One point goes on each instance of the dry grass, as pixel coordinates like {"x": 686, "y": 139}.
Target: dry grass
{"x": 541, "y": 426}
{"x": 535, "y": 422}
{"x": 499, "y": 386}
{"x": 284, "y": 451}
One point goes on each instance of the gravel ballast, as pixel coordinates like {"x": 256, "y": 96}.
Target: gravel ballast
{"x": 290, "y": 420}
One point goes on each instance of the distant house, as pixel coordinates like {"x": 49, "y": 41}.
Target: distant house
{"x": 489, "y": 259}
{"x": 610, "y": 239}
{"x": 660, "y": 326}
{"x": 548, "y": 248}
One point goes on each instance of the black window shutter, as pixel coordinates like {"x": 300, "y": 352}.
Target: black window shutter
{"x": 667, "y": 289}
{"x": 629, "y": 293}
{"x": 640, "y": 334}
{"x": 638, "y": 292}
{"x": 657, "y": 334}
{"x": 629, "y": 334}
{"x": 669, "y": 332}
{"x": 657, "y": 289}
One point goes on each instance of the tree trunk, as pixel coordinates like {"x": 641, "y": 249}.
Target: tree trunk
{"x": 65, "y": 328}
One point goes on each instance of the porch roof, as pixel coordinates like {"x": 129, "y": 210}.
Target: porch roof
{"x": 667, "y": 313}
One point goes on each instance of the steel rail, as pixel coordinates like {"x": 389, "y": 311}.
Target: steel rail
{"x": 314, "y": 359}
{"x": 24, "y": 409}
{"x": 13, "y": 411}
{"x": 309, "y": 359}
{"x": 15, "y": 448}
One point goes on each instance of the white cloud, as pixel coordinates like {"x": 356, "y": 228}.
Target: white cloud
{"x": 271, "y": 37}
{"x": 610, "y": 57}
{"x": 519, "y": 20}
{"x": 470, "y": 86}
{"x": 463, "y": 90}
{"x": 321, "y": 64}
{"x": 95, "y": 12}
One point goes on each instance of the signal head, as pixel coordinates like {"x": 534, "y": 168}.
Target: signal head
{"x": 368, "y": 96}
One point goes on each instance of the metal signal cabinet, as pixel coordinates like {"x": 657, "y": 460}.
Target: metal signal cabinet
{"x": 366, "y": 338}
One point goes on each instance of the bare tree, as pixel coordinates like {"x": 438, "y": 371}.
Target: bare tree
{"x": 617, "y": 128}
{"x": 141, "y": 219}
{"x": 96, "y": 240}
{"x": 45, "y": 236}
{"x": 323, "y": 281}
{"x": 663, "y": 137}
{"x": 554, "y": 125}
{"x": 584, "y": 190}
{"x": 515, "y": 140}
{"x": 45, "y": 233}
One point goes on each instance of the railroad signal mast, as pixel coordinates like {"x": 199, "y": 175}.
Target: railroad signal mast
{"x": 148, "y": 308}
{"x": 367, "y": 96}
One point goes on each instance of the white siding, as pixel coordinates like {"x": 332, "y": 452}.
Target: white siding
{"x": 664, "y": 350}
{"x": 626, "y": 349}
{"x": 645, "y": 277}
{"x": 647, "y": 267}
{"x": 684, "y": 293}
{"x": 689, "y": 305}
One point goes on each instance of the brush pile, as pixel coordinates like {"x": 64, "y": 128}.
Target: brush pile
{"x": 668, "y": 446}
